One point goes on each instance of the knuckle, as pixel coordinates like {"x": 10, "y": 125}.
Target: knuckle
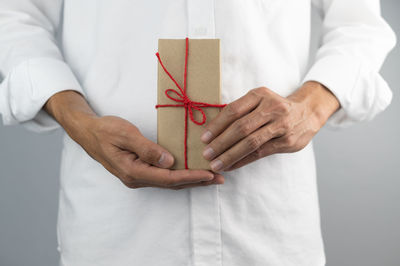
{"x": 262, "y": 90}
{"x": 243, "y": 127}
{"x": 297, "y": 147}
{"x": 233, "y": 110}
{"x": 127, "y": 175}
{"x": 302, "y": 145}
{"x": 151, "y": 154}
{"x": 253, "y": 92}
{"x": 184, "y": 176}
{"x": 131, "y": 132}
{"x": 286, "y": 126}
{"x": 253, "y": 142}
{"x": 281, "y": 127}
{"x": 170, "y": 180}
{"x": 124, "y": 131}
{"x": 277, "y": 146}
{"x": 264, "y": 113}
{"x": 290, "y": 141}
{"x": 269, "y": 132}
{"x": 129, "y": 184}
{"x": 124, "y": 178}
{"x": 258, "y": 153}
{"x": 283, "y": 107}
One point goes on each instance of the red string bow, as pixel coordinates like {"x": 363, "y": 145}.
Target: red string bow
{"x": 185, "y": 101}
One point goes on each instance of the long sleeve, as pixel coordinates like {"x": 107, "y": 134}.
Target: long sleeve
{"x": 355, "y": 42}
{"x": 31, "y": 62}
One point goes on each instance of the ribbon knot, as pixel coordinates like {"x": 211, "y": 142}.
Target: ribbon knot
{"x": 186, "y": 102}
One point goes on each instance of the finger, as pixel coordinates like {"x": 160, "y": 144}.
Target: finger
{"x": 142, "y": 172}
{"x": 267, "y": 149}
{"x": 218, "y": 180}
{"x": 229, "y": 114}
{"x": 148, "y": 151}
{"x": 283, "y": 144}
{"x": 243, "y": 148}
{"x": 235, "y": 132}
{"x": 169, "y": 178}
{"x": 129, "y": 158}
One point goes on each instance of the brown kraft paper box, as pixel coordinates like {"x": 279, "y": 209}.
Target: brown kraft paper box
{"x": 203, "y": 85}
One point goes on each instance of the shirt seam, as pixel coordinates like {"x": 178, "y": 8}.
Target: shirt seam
{"x": 220, "y": 226}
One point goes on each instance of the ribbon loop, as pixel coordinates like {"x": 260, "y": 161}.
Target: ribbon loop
{"x": 182, "y": 98}
{"x": 194, "y": 119}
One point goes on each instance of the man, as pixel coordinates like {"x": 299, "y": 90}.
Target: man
{"x": 89, "y": 66}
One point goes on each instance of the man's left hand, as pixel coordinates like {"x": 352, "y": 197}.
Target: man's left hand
{"x": 262, "y": 123}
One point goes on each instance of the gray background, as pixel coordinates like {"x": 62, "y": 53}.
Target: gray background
{"x": 358, "y": 169}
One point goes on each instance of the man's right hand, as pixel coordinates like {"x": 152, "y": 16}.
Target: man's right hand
{"x": 120, "y": 147}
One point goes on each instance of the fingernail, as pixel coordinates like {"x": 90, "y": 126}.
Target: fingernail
{"x": 216, "y": 165}
{"x": 212, "y": 177}
{"x": 206, "y": 137}
{"x": 165, "y": 159}
{"x": 208, "y": 153}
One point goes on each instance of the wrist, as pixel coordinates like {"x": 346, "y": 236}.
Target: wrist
{"x": 78, "y": 123}
{"x": 319, "y": 100}
{"x": 72, "y": 112}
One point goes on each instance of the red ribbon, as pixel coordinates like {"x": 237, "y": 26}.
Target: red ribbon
{"x": 182, "y": 97}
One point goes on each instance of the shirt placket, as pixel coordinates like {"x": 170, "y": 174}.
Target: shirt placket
{"x": 205, "y": 220}
{"x": 205, "y": 223}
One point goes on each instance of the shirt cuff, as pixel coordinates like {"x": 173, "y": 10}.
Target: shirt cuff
{"x": 360, "y": 90}
{"x": 27, "y": 88}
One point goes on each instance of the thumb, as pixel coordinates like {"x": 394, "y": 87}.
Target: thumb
{"x": 150, "y": 152}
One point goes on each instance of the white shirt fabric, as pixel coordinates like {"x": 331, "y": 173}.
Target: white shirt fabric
{"x": 267, "y": 212}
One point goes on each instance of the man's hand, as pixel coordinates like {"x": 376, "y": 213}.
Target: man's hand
{"x": 262, "y": 123}
{"x": 120, "y": 147}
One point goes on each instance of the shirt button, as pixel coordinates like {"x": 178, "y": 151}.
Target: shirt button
{"x": 200, "y": 31}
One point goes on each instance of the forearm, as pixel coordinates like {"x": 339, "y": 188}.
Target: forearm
{"x": 71, "y": 111}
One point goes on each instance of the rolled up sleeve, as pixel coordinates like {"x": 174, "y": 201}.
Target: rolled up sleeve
{"x": 31, "y": 62}
{"x": 355, "y": 42}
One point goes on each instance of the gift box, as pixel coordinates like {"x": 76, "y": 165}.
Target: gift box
{"x": 189, "y": 85}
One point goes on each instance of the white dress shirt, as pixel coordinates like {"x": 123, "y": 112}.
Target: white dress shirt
{"x": 267, "y": 212}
